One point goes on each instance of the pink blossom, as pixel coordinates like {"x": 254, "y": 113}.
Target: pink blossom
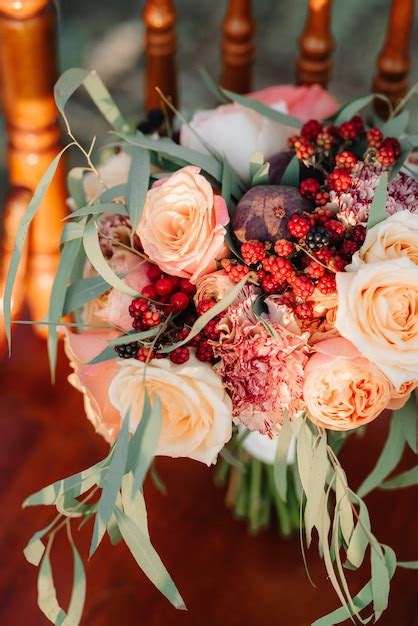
{"x": 304, "y": 102}
{"x": 262, "y": 365}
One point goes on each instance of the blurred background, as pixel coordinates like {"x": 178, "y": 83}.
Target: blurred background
{"x": 227, "y": 576}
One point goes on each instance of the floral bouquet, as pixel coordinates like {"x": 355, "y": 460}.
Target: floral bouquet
{"x": 248, "y": 293}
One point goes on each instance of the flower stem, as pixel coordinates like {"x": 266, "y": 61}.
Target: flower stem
{"x": 255, "y": 495}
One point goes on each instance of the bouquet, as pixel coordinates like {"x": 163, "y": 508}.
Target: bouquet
{"x": 247, "y": 293}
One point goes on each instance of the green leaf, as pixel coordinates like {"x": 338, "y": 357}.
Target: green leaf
{"x": 395, "y": 126}
{"x": 377, "y": 211}
{"x": 343, "y": 505}
{"x": 389, "y": 457}
{"x": 78, "y": 594}
{"x": 212, "y": 85}
{"x": 379, "y": 578}
{"x": 57, "y": 298}
{"x": 111, "y": 485}
{"x": 138, "y": 182}
{"x": 96, "y": 258}
{"x": 135, "y": 336}
{"x": 100, "y": 208}
{"x": 231, "y": 459}
{"x": 21, "y": 233}
{"x": 262, "y": 109}
{"x": 201, "y": 321}
{"x": 72, "y": 230}
{"x": 406, "y": 146}
{"x": 259, "y": 170}
{"x": 408, "y": 416}
{"x": 304, "y": 454}
{"x": 359, "y": 538}
{"x": 291, "y": 174}
{"x": 144, "y": 553}
{"x": 72, "y": 79}
{"x": 401, "y": 481}
{"x": 280, "y": 460}
{"x": 107, "y": 354}
{"x": 118, "y": 191}
{"x": 149, "y": 431}
{"x": 82, "y": 291}
{"x": 76, "y": 186}
{"x": 227, "y": 196}
{"x": 113, "y": 531}
{"x": 351, "y": 108}
{"x": 318, "y": 473}
{"x": 47, "y": 596}
{"x": 408, "y": 564}
{"x": 34, "y": 551}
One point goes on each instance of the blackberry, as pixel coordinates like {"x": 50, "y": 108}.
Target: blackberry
{"x": 127, "y": 350}
{"x": 145, "y": 127}
{"x": 156, "y": 118}
{"x": 317, "y": 237}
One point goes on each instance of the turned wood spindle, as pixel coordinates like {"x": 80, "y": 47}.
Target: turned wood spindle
{"x": 394, "y": 62}
{"x": 238, "y": 47}
{"x": 316, "y": 45}
{"x": 28, "y": 69}
{"x": 160, "y": 50}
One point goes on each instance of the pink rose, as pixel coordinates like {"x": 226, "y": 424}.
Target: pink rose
{"x": 342, "y": 389}
{"x": 304, "y": 102}
{"x": 182, "y": 227}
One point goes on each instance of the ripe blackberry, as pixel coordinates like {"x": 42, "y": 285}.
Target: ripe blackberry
{"x": 204, "y": 352}
{"x": 180, "y": 355}
{"x": 317, "y": 237}
{"x": 253, "y": 251}
{"x": 302, "y": 287}
{"x": 327, "y": 284}
{"x": 309, "y": 188}
{"x": 284, "y": 248}
{"x": 137, "y": 324}
{"x": 298, "y": 226}
{"x": 127, "y": 350}
{"x": 311, "y": 129}
{"x": 339, "y": 180}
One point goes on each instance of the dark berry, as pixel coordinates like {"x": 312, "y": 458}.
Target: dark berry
{"x": 145, "y": 127}
{"x": 127, "y": 350}
{"x": 156, "y": 118}
{"x": 317, "y": 237}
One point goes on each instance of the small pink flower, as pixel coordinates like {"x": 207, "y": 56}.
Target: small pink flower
{"x": 304, "y": 102}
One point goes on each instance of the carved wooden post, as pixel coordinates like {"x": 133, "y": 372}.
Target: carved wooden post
{"x": 316, "y": 45}
{"x": 238, "y": 46}
{"x": 393, "y": 62}
{"x": 160, "y": 49}
{"x": 28, "y": 70}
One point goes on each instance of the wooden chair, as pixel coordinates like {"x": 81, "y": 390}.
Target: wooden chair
{"x": 28, "y": 69}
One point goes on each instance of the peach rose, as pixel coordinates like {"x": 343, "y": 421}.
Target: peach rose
{"x": 114, "y": 172}
{"x": 197, "y": 412}
{"x": 213, "y": 286}
{"x": 113, "y": 305}
{"x": 378, "y": 312}
{"x": 401, "y": 395}
{"x": 322, "y": 326}
{"x": 394, "y": 238}
{"x": 304, "y": 102}
{"x": 182, "y": 227}
{"x": 342, "y": 389}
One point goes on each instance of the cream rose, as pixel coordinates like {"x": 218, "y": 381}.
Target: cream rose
{"x": 114, "y": 172}
{"x": 197, "y": 412}
{"x": 182, "y": 227}
{"x": 342, "y": 389}
{"x": 213, "y": 286}
{"x": 394, "y": 238}
{"x": 401, "y": 395}
{"x": 378, "y": 312}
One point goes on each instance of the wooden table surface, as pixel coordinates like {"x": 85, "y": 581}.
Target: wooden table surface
{"x": 226, "y": 577}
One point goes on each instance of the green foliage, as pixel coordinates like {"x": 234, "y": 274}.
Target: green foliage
{"x": 377, "y": 212}
{"x": 262, "y": 109}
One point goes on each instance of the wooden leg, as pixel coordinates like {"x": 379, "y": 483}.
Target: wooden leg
{"x": 28, "y": 68}
{"x": 316, "y": 45}
{"x": 238, "y": 46}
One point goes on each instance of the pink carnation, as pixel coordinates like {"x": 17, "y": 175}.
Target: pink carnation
{"x": 353, "y": 205}
{"x": 264, "y": 373}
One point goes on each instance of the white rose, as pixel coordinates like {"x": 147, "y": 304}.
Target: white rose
{"x": 394, "y": 238}
{"x": 237, "y": 133}
{"x": 197, "y": 412}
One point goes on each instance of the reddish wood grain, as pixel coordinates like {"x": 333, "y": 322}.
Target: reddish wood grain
{"x": 237, "y": 46}
{"x": 316, "y": 45}
{"x": 225, "y": 575}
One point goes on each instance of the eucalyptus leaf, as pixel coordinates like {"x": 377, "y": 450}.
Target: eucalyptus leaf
{"x": 408, "y": 416}
{"x": 100, "y": 208}
{"x": 401, "y": 481}
{"x": 304, "y": 455}
{"x": 351, "y": 108}
{"x": 280, "y": 459}
{"x": 148, "y": 441}
{"x": 47, "y": 596}
{"x": 34, "y": 551}
{"x": 291, "y": 174}
{"x": 379, "y": 578}
{"x": 377, "y": 211}
{"x": 78, "y": 594}
{"x": 408, "y": 564}
{"x": 395, "y": 126}
{"x": 262, "y": 109}
{"x": 72, "y": 230}
{"x": 138, "y": 182}
{"x": 360, "y": 537}
{"x": 343, "y": 506}
{"x": 82, "y": 291}
{"x": 318, "y": 473}
{"x": 118, "y": 191}
{"x": 212, "y": 85}
{"x": 75, "y": 185}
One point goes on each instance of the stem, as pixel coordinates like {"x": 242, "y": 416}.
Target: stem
{"x": 255, "y": 495}
{"x": 285, "y": 524}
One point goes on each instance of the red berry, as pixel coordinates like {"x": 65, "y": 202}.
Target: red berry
{"x": 279, "y": 267}
{"x": 237, "y": 272}
{"x": 304, "y": 311}
{"x": 196, "y": 340}
{"x": 179, "y": 301}
{"x": 253, "y": 251}
{"x": 325, "y": 141}
{"x": 323, "y": 215}
{"x": 180, "y": 355}
{"x": 374, "y": 137}
{"x": 204, "y": 352}
{"x": 149, "y": 292}
{"x": 326, "y": 284}
{"x": 284, "y": 248}
{"x": 164, "y": 286}
{"x": 204, "y": 305}
{"x": 337, "y": 263}
{"x": 339, "y": 180}
{"x": 304, "y": 150}
{"x": 137, "y": 324}
{"x": 311, "y": 129}
{"x": 302, "y": 287}
{"x": 358, "y": 123}
{"x": 138, "y": 306}
{"x": 269, "y": 284}
{"x": 288, "y": 299}
{"x": 336, "y": 230}
{"x": 315, "y": 270}
{"x": 386, "y": 156}
{"x": 309, "y": 188}
{"x": 145, "y": 354}
{"x": 324, "y": 255}
{"x": 182, "y": 333}
{"x": 298, "y": 226}
{"x": 322, "y": 198}
{"x": 359, "y": 233}
{"x": 292, "y": 140}
{"x": 211, "y": 331}
{"x": 187, "y": 287}
{"x": 352, "y": 129}
{"x": 393, "y": 143}
{"x": 154, "y": 273}
{"x": 151, "y": 319}
{"x": 348, "y": 248}
{"x": 346, "y": 160}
